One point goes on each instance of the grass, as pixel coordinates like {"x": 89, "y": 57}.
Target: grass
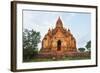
{"x": 59, "y": 59}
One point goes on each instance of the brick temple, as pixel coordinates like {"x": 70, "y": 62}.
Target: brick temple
{"x": 59, "y": 40}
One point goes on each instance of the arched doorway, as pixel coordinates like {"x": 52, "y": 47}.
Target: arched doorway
{"x": 58, "y": 45}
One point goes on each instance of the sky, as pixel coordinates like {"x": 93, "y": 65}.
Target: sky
{"x": 78, "y": 23}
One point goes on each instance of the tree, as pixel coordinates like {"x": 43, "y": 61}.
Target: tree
{"x": 81, "y": 49}
{"x": 88, "y": 45}
{"x": 31, "y": 39}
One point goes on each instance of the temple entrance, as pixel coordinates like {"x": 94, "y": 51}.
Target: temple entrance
{"x": 58, "y": 45}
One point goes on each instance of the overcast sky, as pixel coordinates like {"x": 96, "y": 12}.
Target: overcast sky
{"x": 78, "y": 23}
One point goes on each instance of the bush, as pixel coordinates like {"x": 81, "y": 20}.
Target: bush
{"x": 81, "y": 49}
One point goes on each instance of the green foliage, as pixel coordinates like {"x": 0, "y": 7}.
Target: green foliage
{"x": 88, "y": 45}
{"x": 31, "y": 39}
{"x": 81, "y": 49}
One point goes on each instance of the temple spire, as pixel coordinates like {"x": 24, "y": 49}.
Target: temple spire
{"x": 59, "y": 22}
